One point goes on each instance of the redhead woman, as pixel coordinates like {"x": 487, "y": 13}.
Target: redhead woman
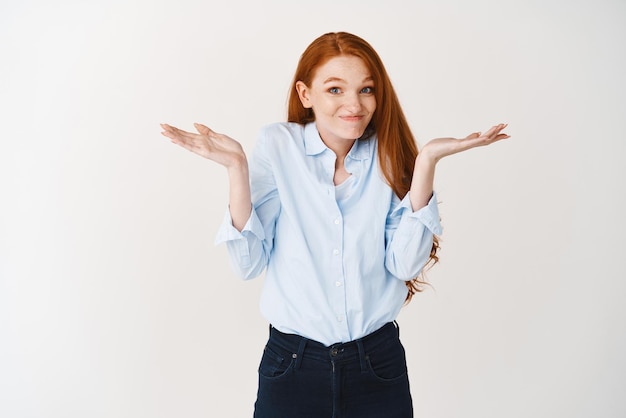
{"x": 337, "y": 206}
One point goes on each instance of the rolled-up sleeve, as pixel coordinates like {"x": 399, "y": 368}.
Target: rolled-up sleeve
{"x": 409, "y": 237}
{"x": 249, "y": 249}
{"x": 245, "y": 248}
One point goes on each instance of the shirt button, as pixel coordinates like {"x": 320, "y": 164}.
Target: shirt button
{"x": 339, "y": 318}
{"x": 337, "y": 284}
{"x": 336, "y": 221}
{"x": 335, "y": 252}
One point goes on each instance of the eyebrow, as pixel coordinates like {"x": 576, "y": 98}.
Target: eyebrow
{"x": 337, "y": 79}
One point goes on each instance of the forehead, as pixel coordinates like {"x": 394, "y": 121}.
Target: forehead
{"x": 348, "y": 68}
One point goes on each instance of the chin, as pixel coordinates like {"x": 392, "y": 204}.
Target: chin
{"x": 353, "y": 133}
{"x": 360, "y": 133}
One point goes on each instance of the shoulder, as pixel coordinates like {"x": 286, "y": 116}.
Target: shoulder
{"x": 281, "y": 139}
{"x": 282, "y": 131}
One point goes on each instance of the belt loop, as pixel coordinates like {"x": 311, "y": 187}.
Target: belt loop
{"x": 397, "y": 327}
{"x": 300, "y": 353}
{"x": 362, "y": 358}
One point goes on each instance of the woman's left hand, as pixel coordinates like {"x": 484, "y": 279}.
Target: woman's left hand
{"x": 435, "y": 150}
{"x": 438, "y": 148}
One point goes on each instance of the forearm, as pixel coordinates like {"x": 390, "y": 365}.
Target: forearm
{"x": 435, "y": 150}
{"x": 422, "y": 182}
{"x": 239, "y": 201}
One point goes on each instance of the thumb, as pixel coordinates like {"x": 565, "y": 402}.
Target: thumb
{"x": 202, "y": 129}
{"x": 473, "y": 135}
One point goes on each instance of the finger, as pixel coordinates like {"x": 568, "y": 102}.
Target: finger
{"x": 204, "y": 130}
{"x": 501, "y": 126}
{"x": 169, "y": 128}
{"x": 167, "y": 131}
{"x": 177, "y": 131}
{"x": 498, "y": 134}
{"x": 493, "y": 130}
{"x": 185, "y": 139}
{"x": 165, "y": 127}
{"x": 181, "y": 134}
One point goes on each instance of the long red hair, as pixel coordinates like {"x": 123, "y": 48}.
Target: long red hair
{"x": 397, "y": 149}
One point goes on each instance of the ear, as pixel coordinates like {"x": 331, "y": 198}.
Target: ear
{"x": 303, "y": 94}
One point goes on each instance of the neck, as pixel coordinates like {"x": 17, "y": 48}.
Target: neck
{"x": 340, "y": 148}
{"x": 341, "y": 151}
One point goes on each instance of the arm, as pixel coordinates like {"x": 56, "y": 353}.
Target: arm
{"x": 409, "y": 237}
{"x": 435, "y": 150}
{"x": 226, "y": 152}
{"x": 413, "y": 222}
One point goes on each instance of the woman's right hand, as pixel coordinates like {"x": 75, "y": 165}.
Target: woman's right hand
{"x": 227, "y": 152}
{"x": 208, "y": 144}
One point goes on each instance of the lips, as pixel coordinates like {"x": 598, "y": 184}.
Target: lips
{"x": 352, "y": 118}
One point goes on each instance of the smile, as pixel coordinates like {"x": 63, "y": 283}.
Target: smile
{"x": 351, "y": 118}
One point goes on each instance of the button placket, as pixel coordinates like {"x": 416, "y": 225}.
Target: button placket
{"x": 336, "y": 286}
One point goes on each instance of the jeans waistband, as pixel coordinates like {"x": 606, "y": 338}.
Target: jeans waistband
{"x": 301, "y": 346}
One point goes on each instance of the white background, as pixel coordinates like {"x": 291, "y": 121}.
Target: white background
{"x": 114, "y": 301}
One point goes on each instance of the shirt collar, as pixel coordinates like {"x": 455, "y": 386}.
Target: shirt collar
{"x": 314, "y": 145}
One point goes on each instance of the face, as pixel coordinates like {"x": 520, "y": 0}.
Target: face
{"x": 341, "y": 95}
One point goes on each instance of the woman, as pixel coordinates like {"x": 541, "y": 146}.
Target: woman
{"x": 338, "y": 207}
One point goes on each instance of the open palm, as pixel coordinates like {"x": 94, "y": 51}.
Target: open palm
{"x": 208, "y": 144}
{"x": 442, "y": 147}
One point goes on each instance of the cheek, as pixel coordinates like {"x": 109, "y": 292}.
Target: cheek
{"x": 330, "y": 107}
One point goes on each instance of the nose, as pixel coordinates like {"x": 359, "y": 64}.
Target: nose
{"x": 353, "y": 103}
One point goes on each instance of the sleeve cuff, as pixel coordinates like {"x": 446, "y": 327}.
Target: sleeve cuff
{"x": 227, "y": 232}
{"x": 428, "y": 215}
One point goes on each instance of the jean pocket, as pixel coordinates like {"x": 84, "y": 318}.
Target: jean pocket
{"x": 274, "y": 365}
{"x": 388, "y": 365}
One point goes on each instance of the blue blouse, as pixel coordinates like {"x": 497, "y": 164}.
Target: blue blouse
{"x": 336, "y": 256}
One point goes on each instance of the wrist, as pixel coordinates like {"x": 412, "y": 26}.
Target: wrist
{"x": 425, "y": 160}
{"x": 238, "y": 163}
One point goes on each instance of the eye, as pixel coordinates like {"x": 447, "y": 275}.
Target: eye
{"x": 334, "y": 90}
{"x": 367, "y": 90}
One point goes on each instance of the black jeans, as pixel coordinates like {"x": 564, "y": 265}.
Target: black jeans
{"x": 365, "y": 378}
